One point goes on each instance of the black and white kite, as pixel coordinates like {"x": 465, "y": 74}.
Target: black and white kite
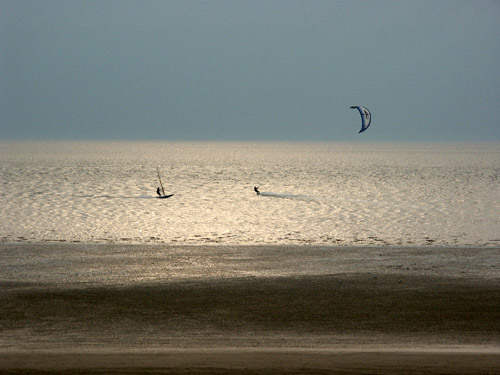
{"x": 366, "y": 117}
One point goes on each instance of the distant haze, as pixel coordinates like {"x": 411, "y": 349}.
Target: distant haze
{"x": 249, "y": 70}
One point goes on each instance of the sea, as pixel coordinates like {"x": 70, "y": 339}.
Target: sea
{"x": 341, "y": 194}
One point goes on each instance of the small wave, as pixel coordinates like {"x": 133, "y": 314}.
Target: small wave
{"x": 299, "y": 197}
{"x": 106, "y": 196}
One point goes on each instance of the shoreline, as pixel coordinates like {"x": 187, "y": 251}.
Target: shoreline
{"x": 95, "y": 263}
{"x": 492, "y": 244}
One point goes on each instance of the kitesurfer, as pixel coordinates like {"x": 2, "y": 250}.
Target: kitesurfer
{"x": 158, "y": 191}
{"x": 256, "y": 189}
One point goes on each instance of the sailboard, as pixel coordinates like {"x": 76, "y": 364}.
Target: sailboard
{"x": 366, "y": 117}
{"x": 162, "y": 195}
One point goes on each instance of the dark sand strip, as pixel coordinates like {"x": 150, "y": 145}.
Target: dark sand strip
{"x": 334, "y": 304}
{"x": 253, "y": 362}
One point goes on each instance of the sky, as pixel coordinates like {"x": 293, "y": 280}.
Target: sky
{"x": 277, "y": 70}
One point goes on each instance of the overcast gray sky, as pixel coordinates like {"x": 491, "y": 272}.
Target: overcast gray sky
{"x": 249, "y": 70}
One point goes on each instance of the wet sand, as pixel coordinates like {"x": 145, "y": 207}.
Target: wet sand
{"x": 255, "y": 362}
{"x": 397, "y": 322}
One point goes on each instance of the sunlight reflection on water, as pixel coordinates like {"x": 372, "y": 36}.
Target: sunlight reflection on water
{"x": 313, "y": 193}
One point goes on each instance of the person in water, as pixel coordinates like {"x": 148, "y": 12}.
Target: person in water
{"x": 158, "y": 191}
{"x": 256, "y": 189}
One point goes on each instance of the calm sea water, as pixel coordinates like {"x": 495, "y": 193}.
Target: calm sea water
{"x": 313, "y": 193}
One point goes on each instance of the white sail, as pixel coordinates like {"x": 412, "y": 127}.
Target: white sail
{"x": 159, "y": 179}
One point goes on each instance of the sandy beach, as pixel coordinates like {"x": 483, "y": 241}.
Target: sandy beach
{"x": 384, "y": 322}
